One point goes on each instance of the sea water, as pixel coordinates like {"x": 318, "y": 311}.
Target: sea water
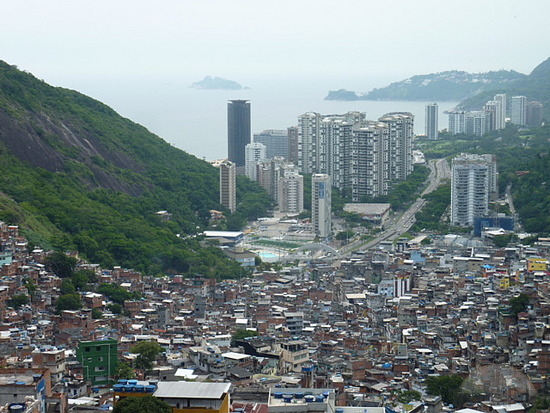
{"x": 195, "y": 120}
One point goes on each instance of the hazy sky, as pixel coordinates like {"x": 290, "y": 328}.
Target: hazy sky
{"x": 68, "y": 41}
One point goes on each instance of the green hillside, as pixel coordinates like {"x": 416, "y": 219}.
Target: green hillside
{"x": 76, "y": 175}
{"x": 535, "y": 86}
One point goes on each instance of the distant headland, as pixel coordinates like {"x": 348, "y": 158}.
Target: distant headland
{"x": 444, "y": 86}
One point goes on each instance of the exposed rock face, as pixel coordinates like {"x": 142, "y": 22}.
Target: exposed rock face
{"x": 43, "y": 143}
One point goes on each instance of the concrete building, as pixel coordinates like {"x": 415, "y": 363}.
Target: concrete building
{"x": 255, "y": 152}
{"x": 293, "y": 136}
{"x": 401, "y": 132}
{"x": 238, "y": 130}
{"x": 457, "y": 121}
{"x": 473, "y": 182}
{"x": 501, "y": 111}
{"x": 291, "y": 193}
{"x": 182, "y": 396}
{"x": 478, "y": 122}
{"x": 26, "y": 389}
{"x": 228, "y": 185}
{"x": 518, "y": 110}
{"x": 369, "y": 161}
{"x": 275, "y": 141}
{"x": 321, "y": 190}
{"x": 432, "y": 124}
{"x": 99, "y": 360}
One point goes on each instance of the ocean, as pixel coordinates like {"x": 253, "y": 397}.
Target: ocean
{"x": 196, "y": 120}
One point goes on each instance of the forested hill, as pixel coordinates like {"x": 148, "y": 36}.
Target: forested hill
{"x": 535, "y": 86}
{"x": 76, "y": 175}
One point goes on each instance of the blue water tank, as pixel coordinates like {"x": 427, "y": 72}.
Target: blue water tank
{"x": 150, "y": 388}
{"x": 339, "y": 411}
{"x": 299, "y": 395}
{"x": 122, "y": 381}
{"x": 287, "y": 397}
{"x": 310, "y": 398}
{"x": 278, "y": 394}
{"x": 319, "y": 398}
{"x": 16, "y": 408}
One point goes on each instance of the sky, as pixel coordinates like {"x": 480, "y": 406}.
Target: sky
{"x": 72, "y": 42}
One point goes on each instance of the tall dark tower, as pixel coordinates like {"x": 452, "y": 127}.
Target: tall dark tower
{"x": 238, "y": 130}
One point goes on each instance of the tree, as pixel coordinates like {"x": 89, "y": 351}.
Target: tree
{"x": 96, "y": 313}
{"x": 68, "y": 302}
{"x": 124, "y": 371}
{"x": 61, "y": 264}
{"x": 519, "y": 304}
{"x": 448, "y": 387}
{"x": 67, "y": 287}
{"x": 147, "y": 352}
{"x": 18, "y": 300}
{"x": 241, "y": 334}
{"x": 145, "y": 404}
{"x": 408, "y": 396}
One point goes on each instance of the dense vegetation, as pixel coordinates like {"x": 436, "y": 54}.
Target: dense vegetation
{"x": 403, "y": 193}
{"x": 76, "y": 175}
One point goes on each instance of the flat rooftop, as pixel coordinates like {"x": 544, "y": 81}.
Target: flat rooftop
{"x": 190, "y": 390}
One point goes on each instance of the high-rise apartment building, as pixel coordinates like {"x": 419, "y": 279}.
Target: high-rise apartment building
{"x": 291, "y": 192}
{"x": 255, "y": 152}
{"x": 321, "y": 191}
{"x": 275, "y": 141}
{"x": 478, "y": 122}
{"x": 400, "y": 130}
{"x": 501, "y": 111}
{"x": 293, "y": 136}
{"x": 228, "y": 185}
{"x": 457, "y": 121}
{"x": 473, "y": 183}
{"x": 432, "y": 124}
{"x": 334, "y": 145}
{"x": 369, "y": 161}
{"x": 238, "y": 130}
{"x": 518, "y": 110}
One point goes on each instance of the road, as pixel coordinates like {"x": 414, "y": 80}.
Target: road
{"x": 398, "y": 225}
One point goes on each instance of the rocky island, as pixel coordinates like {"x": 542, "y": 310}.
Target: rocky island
{"x": 217, "y": 83}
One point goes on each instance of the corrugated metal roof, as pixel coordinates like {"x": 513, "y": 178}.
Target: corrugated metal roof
{"x": 187, "y": 390}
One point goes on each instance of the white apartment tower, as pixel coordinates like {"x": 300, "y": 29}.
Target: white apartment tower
{"x": 473, "y": 183}
{"x": 321, "y": 190}
{"x": 291, "y": 193}
{"x": 457, "y": 121}
{"x": 369, "y": 161}
{"x": 432, "y": 121}
{"x": 228, "y": 185}
{"x": 500, "y": 112}
{"x": 254, "y": 153}
{"x": 518, "y": 110}
{"x": 400, "y": 129}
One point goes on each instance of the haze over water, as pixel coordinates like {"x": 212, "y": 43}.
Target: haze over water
{"x": 196, "y": 120}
